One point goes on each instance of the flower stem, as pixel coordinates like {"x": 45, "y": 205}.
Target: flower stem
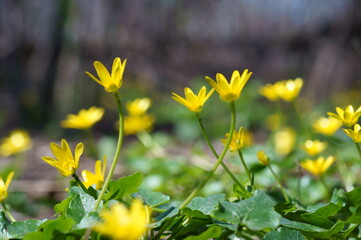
{"x": 205, "y": 135}
{"x": 245, "y": 165}
{"x": 7, "y": 212}
{"x": 279, "y": 183}
{"x": 322, "y": 179}
{"x": 77, "y": 180}
{"x": 219, "y": 160}
{"x": 358, "y": 149}
{"x": 117, "y": 151}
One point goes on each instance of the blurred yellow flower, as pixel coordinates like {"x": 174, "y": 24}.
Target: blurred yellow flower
{"x": 4, "y": 186}
{"x": 64, "y": 160}
{"x": 84, "y": 119}
{"x": 269, "y": 92}
{"x": 284, "y": 141}
{"x": 263, "y": 158}
{"x": 287, "y": 90}
{"x": 326, "y": 126}
{"x": 138, "y": 106}
{"x": 111, "y": 82}
{"x": 240, "y": 138}
{"x": 314, "y": 147}
{"x": 230, "y": 92}
{"x": 18, "y": 141}
{"x": 96, "y": 178}
{"x": 354, "y": 134}
{"x": 192, "y": 101}
{"x": 349, "y": 117}
{"x": 318, "y": 166}
{"x": 136, "y": 124}
{"x": 119, "y": 223}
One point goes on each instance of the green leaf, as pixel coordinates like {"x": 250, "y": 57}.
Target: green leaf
{"x": 284, "y": 234}
{"x": 285, "y": 207}
{"x": 241, "y": 191}
{"x": 204, "y": 205}
{"x": 339, "y": 197}
{"x": 355, "y": 196}
{"x": 212, "y": 232}
{"x": 151, "y": 198}
{"x": 328, "y": 210}
{"x": 316, "y": 220}
{"x": 256, "y": 212}
{"x": 79, "y": 206}
{"x": 47, "y": 229}
{"x": 19, "y": 229}
{"x": 123, "y": 187}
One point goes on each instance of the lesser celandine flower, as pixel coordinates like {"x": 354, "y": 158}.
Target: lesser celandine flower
{"x": 314, "y": 147}
{"x": 263, "y": 158}
{"x": 96, "y": 178}
{"x": 269, "y": 92}
{"x": 349, "y": 117}
{"x": 192, "y": 101}
{"x": 237, "y": 140}
{"x": 354, "y": 134}
{"x": 287, "y": 90}
{"x": 4, "y": 186}
{"x": 136, "y": 124}
{"x": 318, "y": 166}
{"x": 285, "y": 141}
{"x": 64, "y": 160}
{"x": 85, "y": 119}
{"x": 326, "y": 126}
{"x": 138, "y": 106}
{"x": 231, "y": 91}
{"x": 18, "y": 141}
{"x": 119, "y": 223}
{"x": 110, "y": 81}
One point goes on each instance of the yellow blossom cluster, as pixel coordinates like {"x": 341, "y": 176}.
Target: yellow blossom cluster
{"x": 287, "y": 90}
{"x": 317, "y": 166}
{"x": 85, "y": 119}
{"x": 138, "y": 119}
{"x": 18, "y": 141}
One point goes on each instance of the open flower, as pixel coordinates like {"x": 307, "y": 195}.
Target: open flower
{"x": 269, "y": 92}
{"x": 4, "y": 186}
{"x": 64, "y": 160}
{"x": 96, "y": 178}
{"x": 327, "y": 126}
{"x": 349, "y": 117}
{"x": 287, "y": 90}
{"x": 354, "y": 134}
{"x": 193, "y": 102}
{"x": 18, "y": 141}
{"x": 314, "y": 147}
{"x": 84, "y": 119}
{"x": 263, "y": 158}
{"x": 237, "y": 140}
{"x": 285, "y": 141}
{"x": 138, "y": 106}
{"x": 136, "y": 124}
{"x": 111, "y": 82}
{"x": 230, "y": 92}
{"x": 119, "y": 223}
{"x": 319, "y": 166}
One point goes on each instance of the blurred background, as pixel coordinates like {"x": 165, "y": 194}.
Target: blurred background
{"x": 46, "y": 46}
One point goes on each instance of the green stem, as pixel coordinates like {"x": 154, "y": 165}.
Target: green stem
{"x": 117, "y": 151}
{"x": 279, "y": 183}
{"x": 322, "y": 179}
{"x": 205, "y": 135}
{"x": 77, "y": 180}
{"x": 245, "y": 165}
{"x": 7, "y": 212}
{"x": 219, "y": 160}
{"x": 358, "y": 149}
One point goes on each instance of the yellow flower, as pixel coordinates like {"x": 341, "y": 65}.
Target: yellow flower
{"x": 193, "y": 102}
{"x": 136, "y": 124}
{"x": 237, "y": 141}
{"x": 348, "y": 116}
{"x": 96, "y": 178}
{"x": 269, "y": 92}
{"x": 263, "y": 158}
{"x": 4, "y": 186}
{"x": 64, "y": 160}
{"x": 285, "y": 141}
{"x": 111, "y": 82}
{"x": 318, "y": 166}
{"x": 138, "y": 106}
{"x": 354, "y": 134}
{"x": 230, "y": 92}
{"x": 85, "y": 118}
{"x": 327, "y": 126}
{"x": 18, "y": 141}
{"x": 119, "y": 223}
{"x": 314, "y": 147}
